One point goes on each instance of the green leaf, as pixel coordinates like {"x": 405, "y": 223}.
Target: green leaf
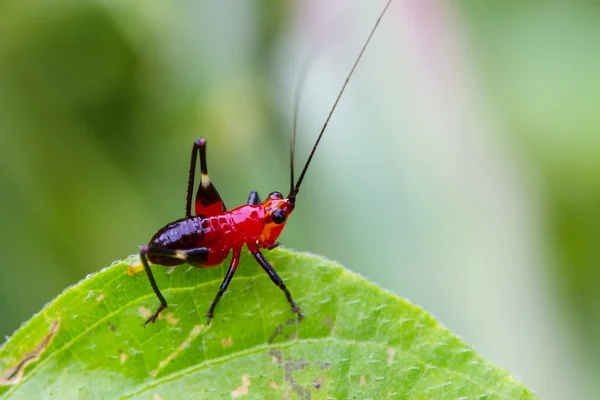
{"x": 356, "y": 340}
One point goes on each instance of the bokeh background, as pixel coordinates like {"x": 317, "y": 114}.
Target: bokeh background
{"x": 461, "y": 170}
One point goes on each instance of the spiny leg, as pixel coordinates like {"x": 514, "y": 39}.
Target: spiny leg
{"x": 208, "y": 201}
{"x": 254, "y": 199}
{"x": 235, "y": 259}
{"x": 274, "y": 276}
{"x": 192, "y": 256}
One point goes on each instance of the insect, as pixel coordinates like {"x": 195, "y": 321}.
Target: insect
{"x": 206, "y": 238}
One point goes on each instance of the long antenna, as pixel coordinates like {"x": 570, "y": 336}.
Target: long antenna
{"x": 296, "y": 187}
{"x": 297, "y": 96}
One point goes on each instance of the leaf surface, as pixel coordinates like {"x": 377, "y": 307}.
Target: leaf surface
{"x": 356, "y": 340}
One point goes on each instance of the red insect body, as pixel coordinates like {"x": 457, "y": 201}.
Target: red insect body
{"x": 247, "y": 224}
{"x": 206, "y": 238}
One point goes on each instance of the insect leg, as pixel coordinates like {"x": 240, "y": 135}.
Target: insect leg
{"x": 235, "y": 259}
{"x": 163, "y": 302}
{"x": 192, "y": 256}
{"x": 208, "y": 201}
{"x": 274, "y": 276}
{"x": 254, "y": 199}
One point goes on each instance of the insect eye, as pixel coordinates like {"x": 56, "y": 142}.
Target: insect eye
{"x": 276, "y": 195}
{"x": 278, "y": 216}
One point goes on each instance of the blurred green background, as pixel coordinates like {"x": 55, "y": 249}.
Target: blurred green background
{"x": 461, "y": 170}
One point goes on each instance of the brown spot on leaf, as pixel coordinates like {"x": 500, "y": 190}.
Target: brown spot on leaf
{"x": 274, "y": 385}
{"x": 290, "y": 366}
{"x": 327, "y": 321}
{"x": 227, "y": 342}
{"x": 242, "y": 390}
{"x": 112, "y": 326}
{"x": 170, "y": 318}
{"x": 363, "y": 380}
{"x": 319, "y": 382}
{"x": 157, "y": 397}
{"x": 134, "y": 269}
{"x": 287, "y": 393}
{"x": 324, "y": 365}
{"x": 278, "y": 331}
{"x": 144, "y": 312}
{"x": 276, "y": 356}
{"x": 303, "y": 392}
{"x": 391, "y": 353}
{"x": 122, "y": 356}
{"x": 14, "y": 374}
{"x": 100, "y": 297}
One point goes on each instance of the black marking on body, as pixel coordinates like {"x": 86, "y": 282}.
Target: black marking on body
{"x": 209, "y": 196}
{"x": 185, "y": 233}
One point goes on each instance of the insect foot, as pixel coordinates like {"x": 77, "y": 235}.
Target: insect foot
{"x": 296, "y": 309}
{"x": 155, "y": 315}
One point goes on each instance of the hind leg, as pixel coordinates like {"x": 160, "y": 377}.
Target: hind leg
{"x": 208, "y": 201}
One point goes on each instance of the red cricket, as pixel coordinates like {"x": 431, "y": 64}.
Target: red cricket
{"x": 206, "y": 238}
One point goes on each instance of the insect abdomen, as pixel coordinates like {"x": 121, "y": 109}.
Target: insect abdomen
{"x": 185, "y": 233}
{"x": 215, "y": 233}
